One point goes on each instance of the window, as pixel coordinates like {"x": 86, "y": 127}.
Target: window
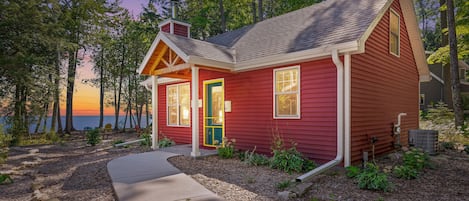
{"x": 422, "y": 99}
{"x": 178, "y": 104}
{"x": 394, "y": 36}
{"x": 287, "y": 92}
{"x": 462, "y": 74}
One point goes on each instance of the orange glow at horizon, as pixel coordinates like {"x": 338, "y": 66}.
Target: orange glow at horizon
{"x": 86, "y": 96}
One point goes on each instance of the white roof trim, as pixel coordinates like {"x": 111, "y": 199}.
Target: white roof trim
{"x": 296, "y": 57}
{"x": 148, "y": 83}
{"x": 169, "y": 43}
{"x": 463, "y": 64}
{"x": 373, "y": 24}
{"x": 437, "y": 78}
{"x": 164, "y": 22}
{"x": 415, "y": 39}
{"x": 209, "y": 62}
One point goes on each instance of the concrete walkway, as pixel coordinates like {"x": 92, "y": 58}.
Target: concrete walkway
{"x": 149, "y": 176}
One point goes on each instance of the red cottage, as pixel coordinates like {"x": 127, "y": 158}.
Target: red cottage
{"x": 330, "y": 77}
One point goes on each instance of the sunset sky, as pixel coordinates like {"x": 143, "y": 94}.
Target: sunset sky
{"x": 86, "y": 97}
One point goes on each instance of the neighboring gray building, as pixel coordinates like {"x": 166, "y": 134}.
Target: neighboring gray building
{"x": 434, "y": 91}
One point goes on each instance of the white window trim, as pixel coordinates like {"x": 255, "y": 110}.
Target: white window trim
{"x": 398, "y": 33}
{"x": 167, "y": 110}
{"x": 274, "y": 111}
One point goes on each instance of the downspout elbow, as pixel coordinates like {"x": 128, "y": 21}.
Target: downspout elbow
{"x": 340, "y": 122}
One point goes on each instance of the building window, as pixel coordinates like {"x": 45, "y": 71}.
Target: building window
{"x": 462, "y": 74}
{"x": 422, "y": 99}
{"x": 394, "y": 36}
{"x": 287, "y": 92}
{"x": 178, "y": 104}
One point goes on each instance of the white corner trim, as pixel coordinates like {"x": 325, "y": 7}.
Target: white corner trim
{"x": 209, "y": 62}
{"x": 149, "y": 53}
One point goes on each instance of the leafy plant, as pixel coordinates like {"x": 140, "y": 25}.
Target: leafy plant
{"x": 372, "y": 179}
{"x": 405, "y": 172}
{"x": 252, "y": 158}
{"x": 166, "y": 141}
{"x": 93, "y": 137}
{"x": 5, "y": 179}
{"x": 416, "y": 158}
{"x": 227, "y": 149}
{"x": 448, "y": 145}
{"x": 146, "y": 139}
{"x": 440, "y": 113}
{"x": 283, "y": 185}
{"x": 5, "y": 140}
{"x": 352, "y": 171}
{"x": 288, "y": 160}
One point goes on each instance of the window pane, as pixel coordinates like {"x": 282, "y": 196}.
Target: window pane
{"x": 184, "y": 104}
{"x": 217, "y": 105}
{"x": 394, "y": 22}
{"x": 172, "y": 96}
{"x": 393, "y": 43}
{"x": 172, "y": 115}
{"x": 287, "y": 104}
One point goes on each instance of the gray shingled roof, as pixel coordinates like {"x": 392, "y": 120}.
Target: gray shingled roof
{"x": 327, "y": 23}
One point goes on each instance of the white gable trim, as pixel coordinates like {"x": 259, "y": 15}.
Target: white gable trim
{"x": 169, "y": 43}
{"x": 437, "y": 78}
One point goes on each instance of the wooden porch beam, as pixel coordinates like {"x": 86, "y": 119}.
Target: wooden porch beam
{"x": 223, "y": 70}
{"x": 158, "y": 59}
{"x": 178, "y": 76}
{"x": 176, "y": 68}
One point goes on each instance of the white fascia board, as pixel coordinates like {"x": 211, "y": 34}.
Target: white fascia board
{"x": 373, "y": 24}
{"x": 463, "y": 65}
{"x": 437, "y": 78}
{"x": 296, "y": 57}
{"x": 415, "y": 39}
{"x": 148, "y": 83}
{"x": 209, "y": 62}
{"x": 149, "y": 53}
{"x": 169, "y": 43}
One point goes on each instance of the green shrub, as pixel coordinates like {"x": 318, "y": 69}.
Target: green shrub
{"x": 466, "y": 148}
{"x": 440, "y": 114}
{"x": 5, "y": 140}
{"x": 146, "y": 139}
{"x": 227, "y": 149}
{"x": 255, "y": 159}
{"x": 448, "y": 145}
{"x": 352, "y": 171}
{"x": 372, "y": 179}
{"x": 5, "y": 179}
{"x": 405, "y": 172}
{"x": 165, "y": 142}
{"x": 283, "y": 185}
{"x": 288, "y": 160}
{"x": 93, "y": 137}
{"x": 53, "y": 137}
{"x": 416, "y": 158}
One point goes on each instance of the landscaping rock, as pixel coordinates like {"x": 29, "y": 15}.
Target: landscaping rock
{"x": 302, "y": 188}
{"x": 284, "y": 195}
{"x": 39, "y": 196}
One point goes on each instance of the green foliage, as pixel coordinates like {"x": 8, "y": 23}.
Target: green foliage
{"x": 416, "y": 158}
{"x": 255, "y": 159}
{"x": 288, "y": 159}
{"x": 440, "y": 114}
{"x": 283, "y": 185}
{"x": 93, "y": 137}
{"x": 146, "y": 139}
{"x": 466, "y": 148}
{"x": 405, "y": 172}
{"x": 5, "y": 140}
{"x": 5, "y": 179}
{"x": 166, "y": 142}
{"x": 227, "y": 149}
{"x": 352, "y": 171}
{"x": 372, "y": 179}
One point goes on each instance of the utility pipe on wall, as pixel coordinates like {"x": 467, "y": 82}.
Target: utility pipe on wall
{"x": 340, "y": 122}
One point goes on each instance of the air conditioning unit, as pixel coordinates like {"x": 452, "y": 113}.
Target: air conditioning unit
{"x": 424, "y": 139}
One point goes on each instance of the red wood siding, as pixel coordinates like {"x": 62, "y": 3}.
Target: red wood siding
{"x": 180, "y": 30}
{"x": 251, "y": 120}
{"x": 383, "y": 85}
{"x": 181, "y": 135}
{"x": 166, "y": 28}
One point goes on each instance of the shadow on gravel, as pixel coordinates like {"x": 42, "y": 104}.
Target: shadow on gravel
{"x": 89, "y": 176}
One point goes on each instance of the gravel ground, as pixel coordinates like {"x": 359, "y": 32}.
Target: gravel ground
{"x": 74, "y": 171}
{"x": 236, "y": 181}
{"x": 71, "y": 171}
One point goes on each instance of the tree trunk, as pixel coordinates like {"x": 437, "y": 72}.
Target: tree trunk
{"x": 101, "y": 91}
{"x": 453, "y": 53}
{"x": 446, "y": 69}
{"x": 72, "y": 66}
{"x": 56, "y": 105}
{"x": 46, "y": 115}
{"x": 121, "y": 78}
{"x": 261, "y": 10}
{"x": 222, "y": 15}
{"x": 125, "y": 120}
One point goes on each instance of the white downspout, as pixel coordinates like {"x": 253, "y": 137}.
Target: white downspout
{"x": 340, "y": 122}
{"x": 347, "y": 109}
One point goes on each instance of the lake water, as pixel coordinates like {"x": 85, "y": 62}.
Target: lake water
{"x": 80, "y": 122}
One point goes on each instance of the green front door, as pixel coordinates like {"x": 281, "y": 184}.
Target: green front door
{"x": 213, "y": 112}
